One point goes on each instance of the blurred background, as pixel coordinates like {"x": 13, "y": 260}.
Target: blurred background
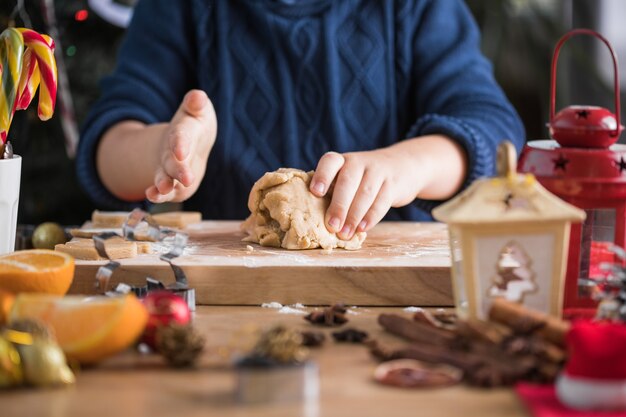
{"x": 518, "y": 36}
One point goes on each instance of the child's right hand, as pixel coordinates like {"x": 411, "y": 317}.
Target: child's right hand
{"x": 184, "y": 150}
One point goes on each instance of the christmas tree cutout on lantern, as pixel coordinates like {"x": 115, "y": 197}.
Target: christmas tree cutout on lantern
{"x": 514, "y": 276}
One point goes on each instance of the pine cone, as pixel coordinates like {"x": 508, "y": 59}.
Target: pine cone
{"x": 179, "y": 344}
{"x": 281, "y": 344}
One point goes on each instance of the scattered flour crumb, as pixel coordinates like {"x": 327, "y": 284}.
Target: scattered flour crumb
{"x": 412, "y": 309}
{"x": 327, "y": 251}
{"x": 291, "y": 310}
{"x": 249, "y": 248}
{"x": 273, "y": 304}
{"x": 352, "y": 310}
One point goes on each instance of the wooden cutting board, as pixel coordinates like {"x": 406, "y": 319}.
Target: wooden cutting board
{"x": 400, "y": 263}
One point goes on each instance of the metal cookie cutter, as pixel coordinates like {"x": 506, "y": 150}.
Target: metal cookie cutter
{"x": 141, "y": 226}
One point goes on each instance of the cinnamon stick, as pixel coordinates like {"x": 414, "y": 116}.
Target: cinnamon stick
{"x": 552, "y": 329}
{"x": 478, "y": 330}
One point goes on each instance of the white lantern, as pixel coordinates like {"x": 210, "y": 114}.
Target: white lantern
{"x": 509, "y": 238}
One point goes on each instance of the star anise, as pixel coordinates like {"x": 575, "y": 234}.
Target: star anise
{"x": 330, "y": 316}
{"x": 350, "y": 336}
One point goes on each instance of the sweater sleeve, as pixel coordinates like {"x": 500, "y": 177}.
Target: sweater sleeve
{"x": 154, "y": 70}
{"x": 457, "y": 94}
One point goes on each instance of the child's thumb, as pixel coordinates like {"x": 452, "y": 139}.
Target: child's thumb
{"x": 195, "y": 104}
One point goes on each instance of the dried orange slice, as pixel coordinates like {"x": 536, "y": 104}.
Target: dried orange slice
{"x": 88, "y": 329}
{"x": 36, "y": 270}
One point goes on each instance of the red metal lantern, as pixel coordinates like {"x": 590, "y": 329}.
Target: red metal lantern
{"x": 584, "y": 167}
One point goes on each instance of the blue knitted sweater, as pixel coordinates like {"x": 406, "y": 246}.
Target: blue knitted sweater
{"x": 291, "y": 80}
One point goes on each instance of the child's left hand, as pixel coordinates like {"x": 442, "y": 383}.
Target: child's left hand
{"x": 368, "y": 183}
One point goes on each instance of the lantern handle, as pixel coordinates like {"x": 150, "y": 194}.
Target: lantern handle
{"x": 506, "y": 159}
{"x": 555, "y": 58}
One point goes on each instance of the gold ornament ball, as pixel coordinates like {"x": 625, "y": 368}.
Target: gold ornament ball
{"x": 47, "y": 235}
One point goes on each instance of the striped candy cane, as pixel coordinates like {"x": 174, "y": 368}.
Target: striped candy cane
{"x": 42, "y": 48}
{"x": 29, "y": 81}
{"x": 11, "y": 51}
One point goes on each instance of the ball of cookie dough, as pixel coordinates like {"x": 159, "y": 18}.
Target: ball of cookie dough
{"x": 284, "y": 213}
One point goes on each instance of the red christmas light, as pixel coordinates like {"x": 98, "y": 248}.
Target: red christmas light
{"x": 81, "y": 15}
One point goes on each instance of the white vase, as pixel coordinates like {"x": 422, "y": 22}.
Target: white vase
{"x": 10, "y": 170}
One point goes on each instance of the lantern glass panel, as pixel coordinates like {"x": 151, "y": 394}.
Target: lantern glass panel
{"x": 517, "y": 267}
{"x": 457, "y": 274}
{"x": 598, "y": 234}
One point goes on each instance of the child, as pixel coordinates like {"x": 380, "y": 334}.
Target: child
{"x": 390, "y": 101}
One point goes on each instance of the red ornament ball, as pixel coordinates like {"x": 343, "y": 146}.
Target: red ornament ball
{"x": 164, "y": 308}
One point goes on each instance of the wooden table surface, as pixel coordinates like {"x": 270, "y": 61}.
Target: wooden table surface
{"x": 137, "y": 386}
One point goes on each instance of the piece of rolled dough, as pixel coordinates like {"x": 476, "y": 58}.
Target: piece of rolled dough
{"x": 116, "y": 248}
{"x": 284, "y": 213}
{"x": 116, "y": 219}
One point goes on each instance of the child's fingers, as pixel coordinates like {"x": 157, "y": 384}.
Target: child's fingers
{"x": 378, "y": 209}
{"x": 153, "y": 195}
{"x": 183, "y": 137}
{"x": 180, "y": 171}
{"x": 180, "y": 140}
{"x": 363, "y": 200}
{"x": 346, "y": 186}
{"x": 327, "y": 168}
{"x": 163, "y": 182}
